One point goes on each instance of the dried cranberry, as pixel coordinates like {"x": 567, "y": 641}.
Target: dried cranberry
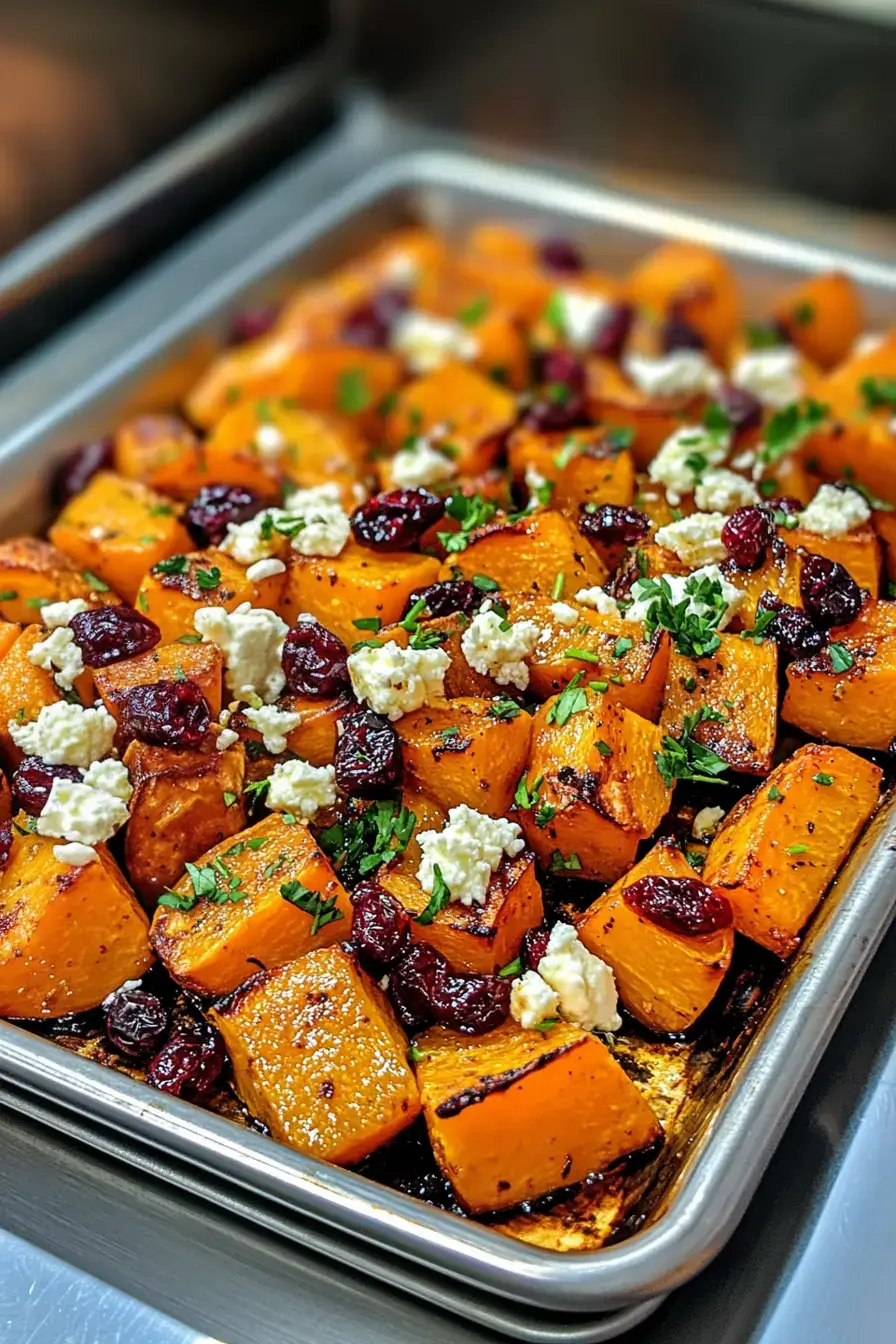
{"x": 414, "y": 982}
{"x": 368, "y": 755}
{"x": 560, "y": 408}
{"x": 5, "y": 843}
{"x": 33, "y": 779}
{"x": 791, "y": 629}
{"x": 534, "y": 946}
{"x": 74, "y": 472}
{"x": 741, "y": 407}
{"x": 396, "y": 519}
{"x": 613, "y": 523}
{"x": 380, "y": 927}
{"x": 678, "y": 334}
{"x": 789, "y": 505}
{"x": 683, "y": 905}
{"x": 447, "y": 597}
{"x": 107, "y": 634}
{"x": 136, "y": 1022}
{"x": 189, "y": 1063}
{"x": 613, "y": 331}
{"x": 562, "y": 367}
{"x": 369, "y": 325}
{"x": 747, "y": 535}
{"x": 830, "y": 594}
{"x": 561, "y": 255}
{"x": 214, "y": 507}
{"x": 253, "y": 323}
{"x": 314, "y": 660}
{"x": 472, "y": 1003}
{"x": 165, "y": 713}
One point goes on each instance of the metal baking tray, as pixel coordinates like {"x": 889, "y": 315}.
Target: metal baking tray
{"x": 372, "y": 174}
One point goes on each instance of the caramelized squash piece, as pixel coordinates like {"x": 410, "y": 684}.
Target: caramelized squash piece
{"x": 34, "y": 573}
{"x": 858, "y": 551}
{"x": 163, "y": 452}
{"x": 665, "y": 980}
{"x": 822, "y": 316}
{"x": 212, "y": 946}
{"x": 172, "y": 595}
{"x": 856, "y": 704}
{"x": 305, "y": 1082}
{"x": 68, "y": 936}
{"x": 779, "y": 574}
{"x": 203, "y": 664}
{"x": 314, "y": 737}
{"x": 583, "y": 465}
{"x": 695, "y": 282}
{"x": 616, "y": 401}
{"x": 514, "y": 1114}
{"x": 779, "y": 848}
{"x": 529, "y": 556}
{"x": 475, "y": 411}
{"x": 463, "y": 754}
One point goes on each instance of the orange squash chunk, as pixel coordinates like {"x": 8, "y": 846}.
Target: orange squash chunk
{"x": 503, "y": 351}
{"x": 25, "y": 689}
{"x": 527, "y": 556}
{"x": 68, "y": 936}
{"x": 463, "y": 754}
{"x": 583, "y": 464}
{"x": 696, "y": 282}
{"x": 822, "y": 316}
{"x": 314, "y": 738}
{"x": 203, "y": 664}
{"x": 302, "y": 1039}
{"x": 664, "y": 979}
{"x": 613, "y": 399}
{"x": 213, "y": 946}
{"x": 429, "y": 815}
{"x": 842, "y": 389}
{"x": 514, "y": 1114}
{"x": 117, "y": 529}
{"x": 478, "y": 938}
{"x": 779, "y": 574}
{"x": 779, "y": 848}
{"x": 740, "y": 682}
{"x": 172, "y": 599}
{"x": 856, "y": 706}
{"x": 474, "y": 410}
{"x": 164, "y": 453}
{"x": 33, "y": 573}
{"x": 884, "y": 523}
{"x": 858, "y": 551}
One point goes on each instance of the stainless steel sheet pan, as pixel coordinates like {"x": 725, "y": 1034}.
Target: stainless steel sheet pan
{"x": 370, "y": 176}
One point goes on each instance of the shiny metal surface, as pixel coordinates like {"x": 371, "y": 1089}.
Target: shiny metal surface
{"x": 379, "y": 172}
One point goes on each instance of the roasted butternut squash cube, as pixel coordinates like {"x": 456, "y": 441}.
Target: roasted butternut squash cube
{"x": 842, "y": 388}
{"x": 116, "y": 529}
{"x": 859, "y": 551}
{"x": 26, "y": 688}
{"x": 665, "y": 980}
{"x": 68, "y": 936}
{"x": 739, "y": 683}
{"x": 164, "y": 453}
{"x": 314, "y": 737}
{"x": 5, "y": 799}
{"x": 203, "y": 664}
{"x": 429, "y": 815}
{"x": 849, "y": 694}
{"x": 464, "y": 754}
{"x": 514, "y": 284}
{"x": 211, "y": 944}
{"x": 779, "y": 574}
{"x": 614, "y": 400}
{"x": 822, "y": 316}
{"x": 585, "y": 466}
{"x": 256, "y": 369}
{"x": 476, "y": 411}
{"x": 694, "y": 281}
{"x": 461, "y": 680}
{"x": 514, "y": 1114}
{"x": 528, "y": 556}
{"x": 34, "y": 573}
{"x": 184, "y": 803}
{"x": 302, "y": 1039}
{"x": 479, "y": 938}
{"x": 779, "y": 848}
{"x": 172, "y": 593}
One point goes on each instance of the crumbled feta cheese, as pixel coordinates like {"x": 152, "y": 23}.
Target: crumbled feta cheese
{"x": 771, "y": 375}
{"x": 255, "y": 540}
{"x": 270, "y": 442}
{"x": 75, "y": 855}
{"x": 564, "y": 614}
{"x": 59, "y": 655}
{"x": 110, "y": 777}
{"x": 834, "y": 512}
{"x": 468, "y": 849}
{"x": 427, "y": 342}
{"x": 582, "y": 315}
{"x": 582, "y": 982}
{"x": 394, "y": 681}
{"x": 64, "y": 734}
{"x": 251, "y": 639}
{"x": 722, "y": 491}
{"x": 55, "y": 614}
{"x": 535, "y": 484}
{"x": 532, "y": 1000}
{"x": 683, "y": 586}
{"x": 76, "y": 811}
{"x": 265, "y": 569}
{"x": 495, "y": 652}
{"x": 226, "y": 739}
{"x": 706, "y": 822}
{"x": 745, "y": 460}
{"x": 317, "y": 522}
{"x": 684, "y": 456}
{"x": 401, "y": 270}
{"x": 680, "y": 373}
{"x": 602, "y": 602}
{"x": 421, "y": 463}
{"x": 274, "y": 725}
{"x": 696, "y": 540}
{"x": 867, "y": 343}
{"x": 300, "y": 788}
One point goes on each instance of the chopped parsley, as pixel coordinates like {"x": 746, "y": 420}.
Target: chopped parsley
{"x": 565, "y": 863}
{"x": 686, "y": 758}
{"x": 503, "y": 709}
{"x": 774, "y": 794}
{"x": 796, "y": 849}
{"x": 571, "y": 700}
{"x": 822, "y": 778}
{"x": 321, "y": 910}
{"x": 512, "y": 968}
{"x": 362, "y": 843}
{"x": 474, "y": 311}
{"x": 368, "y": 623}
{"x": 471, "y": 511}
{"x": 693, "y": 631}
{"x": 94, "y": 581}
{"x": 175, "y": 564}
{"x": 803, "y": 313}
{"x": 604, "y": 747}
{"x": 485, "y": 584}
{"x": 525, "y": 796}
{"x": 787, "y": 429}
{"x": 763, "y": 621}
{"x": 762, "y": 336}
{"x": 441, "y": 896}
{"x": 558, "y": 585}
{"x": 840, "y": 656}
{"x": 208, "y": 578}
{"x": 353, "y": 394}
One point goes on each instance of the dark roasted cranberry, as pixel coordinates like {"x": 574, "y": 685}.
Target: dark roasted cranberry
{"x": 214, "y": 507}
{"x": 557, "y": 367}
{"x": 106, "y": 634}
{"x": 447, "y": 597}
{"x": 614, "y": 523}
{"x": 830, "y": 594}
{"x": 5, "y": 843}
{"x": 613, "y": 331}
{"x": 415, "y": 982}
{"x": 396, "y": 519}
{"x": 165, "y": 713}
{"x": 33, "y": 779}
{"x": 368, "y": 755}
{"x": 534, "y": 946}
{"x": 314, "y": 660}
{"x": 73, "y": 473}
{"x": 789, "y": 505}
{"x": 792, "y": 630}
{"x": 252, "y": 323}
{"x": 678, "y": 334}
{"x": 747, "y": 535}
{"x": 136, "y": 1022}
{"x": 559, "y": 408}
{"x": 472, "y": 1003}
{"x": 380, "y": 927}
{"x": 369, "y": 325}
{"x": 683, "y": 905}
{"x": 189, "y": 1063}
{"x": 741, "y": 407}
{"x": 561, "y": 255}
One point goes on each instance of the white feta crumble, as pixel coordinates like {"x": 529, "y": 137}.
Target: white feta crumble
{"x": 251, "y": 639}
{"x": 75, "y": 854}
{"x": 316, "y": 521}
{"x": 771, "y": 375}
{"x": 683, "y": 586}
{"x": 270, "y": 441}
{"x": 867, "y": 343}
{"x": 468, "y": 849}
{"x": 265, "y": 569}
{"x": 564, "y": 614}
{"x": 706, "y": 822}
{"x": 256, "y": 540}
{"x": 539, "y": 487}
{"x": 401, "y": 270}
{"x": 226, "y": 739}
{"x": 59, "y": 655}
{"x": 300, "y": 788}
{"x": 427, "y": 342}
{"x": 681, "y": 373}
{"x": 274, "y": 725}
{"x": 394, "y": 681}
{"x": 684, "y": 456}
{"x": 599, "y": 601}
{"x": 532, "y": 1000}
{"x": 722, "y": 491}
{"x": 64, "y": 734}
{"x": 834, "y": 512}
{"x": 581, "y": 315}
{"x": 493, "y": 651}
{"x": 76, "y": 811}
{"x": 579, "y": 986}
{"x": 421, "y": 463}
{"x": 56, "y": 614}
{"x": 745, "y": 460}
{"x": 696, "y": 540}
{"x": 110, "y": 777}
